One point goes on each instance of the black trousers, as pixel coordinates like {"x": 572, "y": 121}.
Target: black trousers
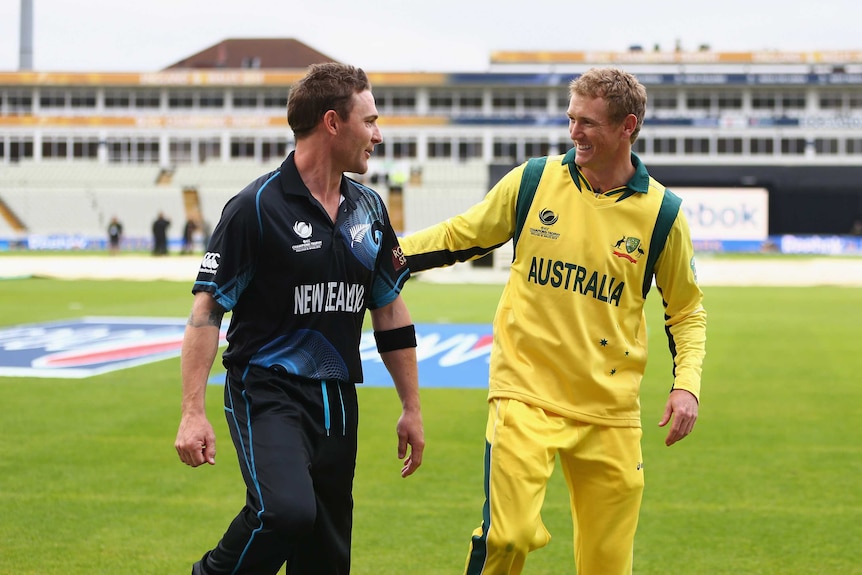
{"x": 296, "y": 445}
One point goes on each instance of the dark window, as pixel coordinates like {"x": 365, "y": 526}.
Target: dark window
{"x": 210, "y": 148}
{"x": 85, "y": 148}
{"x": 54, "y": 147}
{"x": 181, "y": 99}
{"x": 147, "y": 99}
{"x": 507, "y": 150}
{"x": 83, "y": 99}
{"x": 792, "y": 146}
{"x": 469, "y": 149}
{"x": 275, "y": 100}
{"x": 536, "y": 148}
{"x": 696, "y": 145}
{"x": 404, "y": 101}
{"x": 698, "y": 101}
{"x": 117, "y": 99}
{"x": 180, "y": 150}
{"x": 793, "y": 101}
{"x": 212, "y": 99}
{"x": 273, "y": 149}
{"x": 664, "y": 146}
{"x": 242, "y": 147}
{"x": 536, "y": 102}
{"x": 730, "y": 146}
{"x": 52, "y": 99}
{"x": 831, "y": 101}
{"x": 825, "y": 146}
{"x": 439, "y": 148}
{"x": 504, "y": 102}
{"x": 663, "y": 100}
{"x": 244, "y": 99}
{"x": 403, "y": 148}
{"x": 19, "y": 102}
{"x": 762, "y": 146}
{"x": 441, "y": 100}
{"x": 19, "y": 149}
{"x": 470, "y": 102}
{"x": 729, "y": 101}
{"x": 763, "y": 101}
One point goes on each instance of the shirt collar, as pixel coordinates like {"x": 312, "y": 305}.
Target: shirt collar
{"x": 638, "y": 184}
{"x": 292, "y": 184}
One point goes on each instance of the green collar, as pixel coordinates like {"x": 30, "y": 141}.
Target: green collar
{"x": 638, "y": 184}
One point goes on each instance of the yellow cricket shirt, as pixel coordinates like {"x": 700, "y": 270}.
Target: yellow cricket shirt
{"x": 569, "y": 331}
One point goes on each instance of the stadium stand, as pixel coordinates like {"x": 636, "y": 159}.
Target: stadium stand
{"x": 441, "y": 191}
{"x": 78, "y": 199}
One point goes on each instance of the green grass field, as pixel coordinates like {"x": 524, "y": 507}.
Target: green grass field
{"x": 769, "y": 483}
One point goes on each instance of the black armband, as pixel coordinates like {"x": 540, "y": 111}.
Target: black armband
{"x": 398, "y": 338}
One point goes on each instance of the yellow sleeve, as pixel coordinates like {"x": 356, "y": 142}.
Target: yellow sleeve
{"x": 685, "y": 317}
{"x": 469, "y": 235}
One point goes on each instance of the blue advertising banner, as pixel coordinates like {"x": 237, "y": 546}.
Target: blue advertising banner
{"x": 449, "y": 355}
{"x": 79, "y": 348}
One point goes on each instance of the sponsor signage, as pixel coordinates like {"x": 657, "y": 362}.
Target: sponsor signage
{"x": 726, "y": 213}
{"x": 822, "y": 245}
{"x": 88, "y": 346}
{"x": 449, "y": 355}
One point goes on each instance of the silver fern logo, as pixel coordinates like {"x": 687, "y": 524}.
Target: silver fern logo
{"x": 357, "y": 233}
{"x": 302, "y": 229}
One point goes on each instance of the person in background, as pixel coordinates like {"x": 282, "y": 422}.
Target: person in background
{"x": 160, "y": 235}
{"x": 570, "y": 341}
{"x": 188, "y": 236}
{"x": 115, "y": 235}
{"x": 298, "y": 256}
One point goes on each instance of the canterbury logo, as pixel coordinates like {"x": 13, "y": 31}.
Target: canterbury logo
{"x": 302, "y": 229}
{"x": 210, "y": 262}
{"x": 357, "y": 233}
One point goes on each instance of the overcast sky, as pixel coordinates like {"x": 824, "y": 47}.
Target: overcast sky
{"x": 408, "y": 35}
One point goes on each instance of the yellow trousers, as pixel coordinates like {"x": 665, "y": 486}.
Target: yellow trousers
{"x": 603, "y": 468}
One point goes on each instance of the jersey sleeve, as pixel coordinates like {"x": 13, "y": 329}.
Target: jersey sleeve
{"x": 685, "y": 317}
{"x": 474, "y": 233}
{"x": 229, "y": 264}
{"x": 391, "y": 270}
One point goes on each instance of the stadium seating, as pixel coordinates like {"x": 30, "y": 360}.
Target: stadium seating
{"x": 80, "y": 198}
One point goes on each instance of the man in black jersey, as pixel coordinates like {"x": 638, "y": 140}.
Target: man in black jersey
{"x": 297, "y": 257}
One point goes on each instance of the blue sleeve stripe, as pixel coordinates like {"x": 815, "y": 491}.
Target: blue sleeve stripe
{"x": 257, "y": 202}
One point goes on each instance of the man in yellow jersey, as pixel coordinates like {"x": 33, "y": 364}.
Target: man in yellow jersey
{"x": 570, "y": 344}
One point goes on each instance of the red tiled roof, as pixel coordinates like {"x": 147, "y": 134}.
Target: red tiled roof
{"x": 254, "y": 53}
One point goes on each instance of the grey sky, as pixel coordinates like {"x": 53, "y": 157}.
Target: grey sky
{"x": 406, "y": 35}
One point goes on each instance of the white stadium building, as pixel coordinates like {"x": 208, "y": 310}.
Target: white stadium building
{"x": 768, "y": 145}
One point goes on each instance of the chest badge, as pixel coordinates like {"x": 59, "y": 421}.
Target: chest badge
{"x": 304, "y": 231}
{"x": 357, "y": 233}
{"x": 632, "y": 246}
{"x": 548, "y": 218}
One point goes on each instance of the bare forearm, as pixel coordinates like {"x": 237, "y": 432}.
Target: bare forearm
{"x": 401, "y": 364}
{"x": 200, "y": 347}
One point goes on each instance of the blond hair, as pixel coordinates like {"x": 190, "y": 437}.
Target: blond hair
{"x": 622, "y": 92}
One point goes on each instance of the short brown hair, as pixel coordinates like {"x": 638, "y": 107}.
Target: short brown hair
{"x": 326, "y": 87}
{"x": 622, "y": 92}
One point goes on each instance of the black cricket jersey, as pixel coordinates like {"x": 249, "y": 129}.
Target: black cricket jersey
{"x": 297, "y": 284}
